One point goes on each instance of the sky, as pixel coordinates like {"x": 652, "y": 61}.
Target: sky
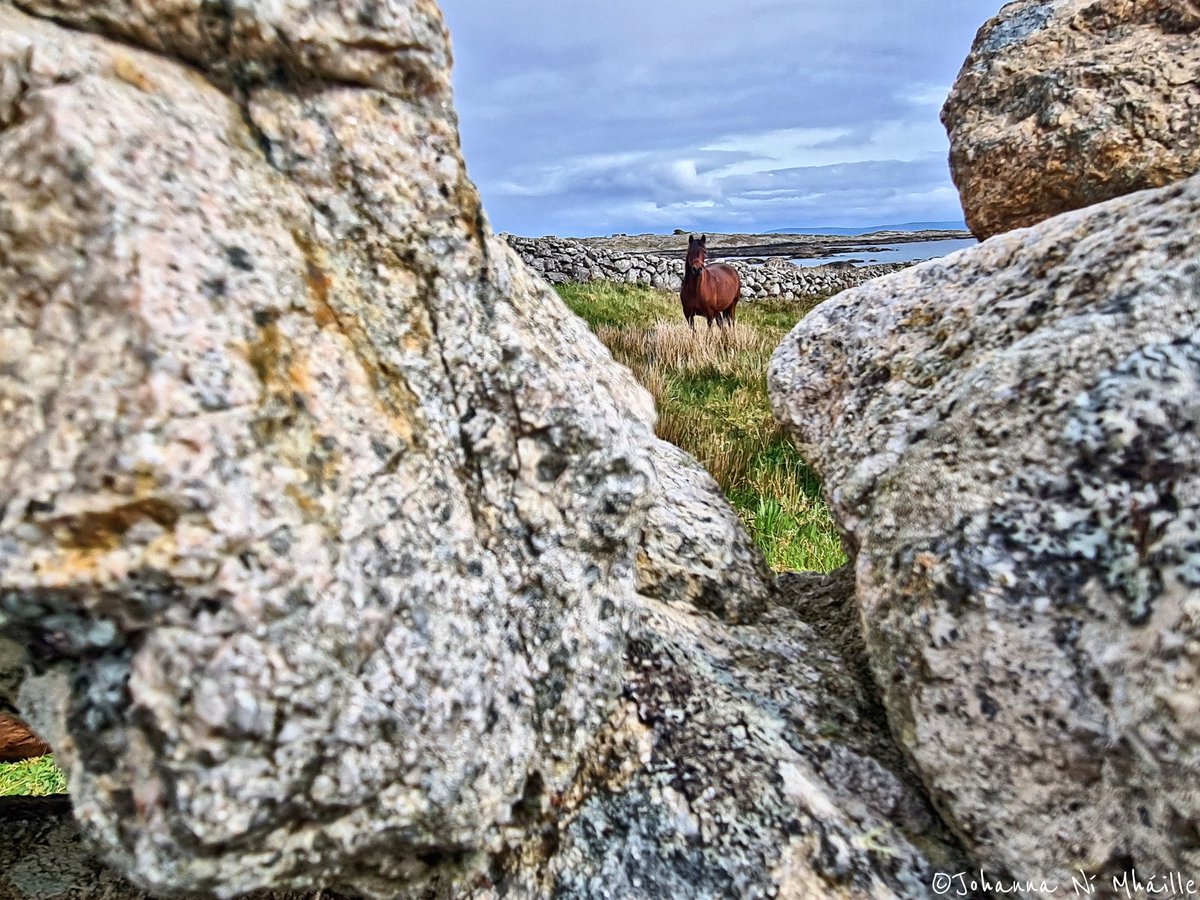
{"x": 587, "y": 118}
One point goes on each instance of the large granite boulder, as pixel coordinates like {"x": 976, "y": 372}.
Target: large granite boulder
{"x": 320, "y": 516}
{"x": 1066, "y": 103}
{"x": 738, "y": 762}
{"x": 323, "y": 521}
{"x": 1011, "y": 442}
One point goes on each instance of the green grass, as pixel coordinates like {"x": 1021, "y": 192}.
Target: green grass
{"x": 32, "y": 778}
{"x": 711, "y": 392}
{"x": 601, "y": 303}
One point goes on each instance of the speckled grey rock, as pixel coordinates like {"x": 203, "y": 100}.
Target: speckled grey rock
{"x": 742, "y": 762}
{"x": 694, "y": 548}
{"x": 1066, "y": 103}
{"x": 1010, "y": 439}
{"x": 748, "y": 762}
{"x": 319, "y": 513}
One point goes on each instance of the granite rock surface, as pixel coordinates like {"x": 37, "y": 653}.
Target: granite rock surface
{"x": 752, "y": 762}
{"x": 1066, "y": 103}
{"x": 331, "y": 534}
{"x": 320, "y": 514}
{"x": 1009, "y": 441}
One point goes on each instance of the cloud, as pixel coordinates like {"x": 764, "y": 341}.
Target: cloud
{"x": 586, "y": 118}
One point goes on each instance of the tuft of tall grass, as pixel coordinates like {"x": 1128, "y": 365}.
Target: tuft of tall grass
{"x": 35, "y": 777}
{"x": 620, "y": 305}
{"x": 710, "y": 386}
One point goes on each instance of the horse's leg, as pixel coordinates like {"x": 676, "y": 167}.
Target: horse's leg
{"x": 691, "y": 320}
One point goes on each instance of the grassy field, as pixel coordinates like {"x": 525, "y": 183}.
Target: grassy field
{"x": 711, "y": 391}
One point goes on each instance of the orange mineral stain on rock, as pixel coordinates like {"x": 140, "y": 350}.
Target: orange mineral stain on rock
{"x": 299, "y": 376}
{"x": 103, "y": 529}
{"x": 128, "y": 71}
{"x": 319, "y": 281}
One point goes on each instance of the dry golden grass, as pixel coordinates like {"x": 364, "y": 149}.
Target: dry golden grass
{"x": 711, "y": 390}
{"x": 673, "y": 344}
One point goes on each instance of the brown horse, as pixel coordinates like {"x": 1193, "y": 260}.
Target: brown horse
{"x": 710, "y": 291}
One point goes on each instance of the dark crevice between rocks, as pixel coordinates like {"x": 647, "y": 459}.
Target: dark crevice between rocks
{"x": 92, "y": 638}
{"x": 82, "y": 638}
{"x": 260, "y": 138}
{"x": 529, "y": 806}
{"x": 16, "y": 115}
{"x": 826, "y": 602}
{"x": 43, "y": 855}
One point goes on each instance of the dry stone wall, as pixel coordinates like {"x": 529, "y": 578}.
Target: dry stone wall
{"x": 560, "y": 260}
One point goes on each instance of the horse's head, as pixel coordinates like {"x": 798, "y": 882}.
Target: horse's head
{"x": 696, "y": 254}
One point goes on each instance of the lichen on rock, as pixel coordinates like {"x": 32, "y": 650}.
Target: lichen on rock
{"x": 1065, "y": 103}
{"x": 1009, "y": 439}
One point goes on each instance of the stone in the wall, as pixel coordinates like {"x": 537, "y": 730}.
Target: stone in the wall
{"x": 1066, "y": 103}
{"x": 1010, "y": 441}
